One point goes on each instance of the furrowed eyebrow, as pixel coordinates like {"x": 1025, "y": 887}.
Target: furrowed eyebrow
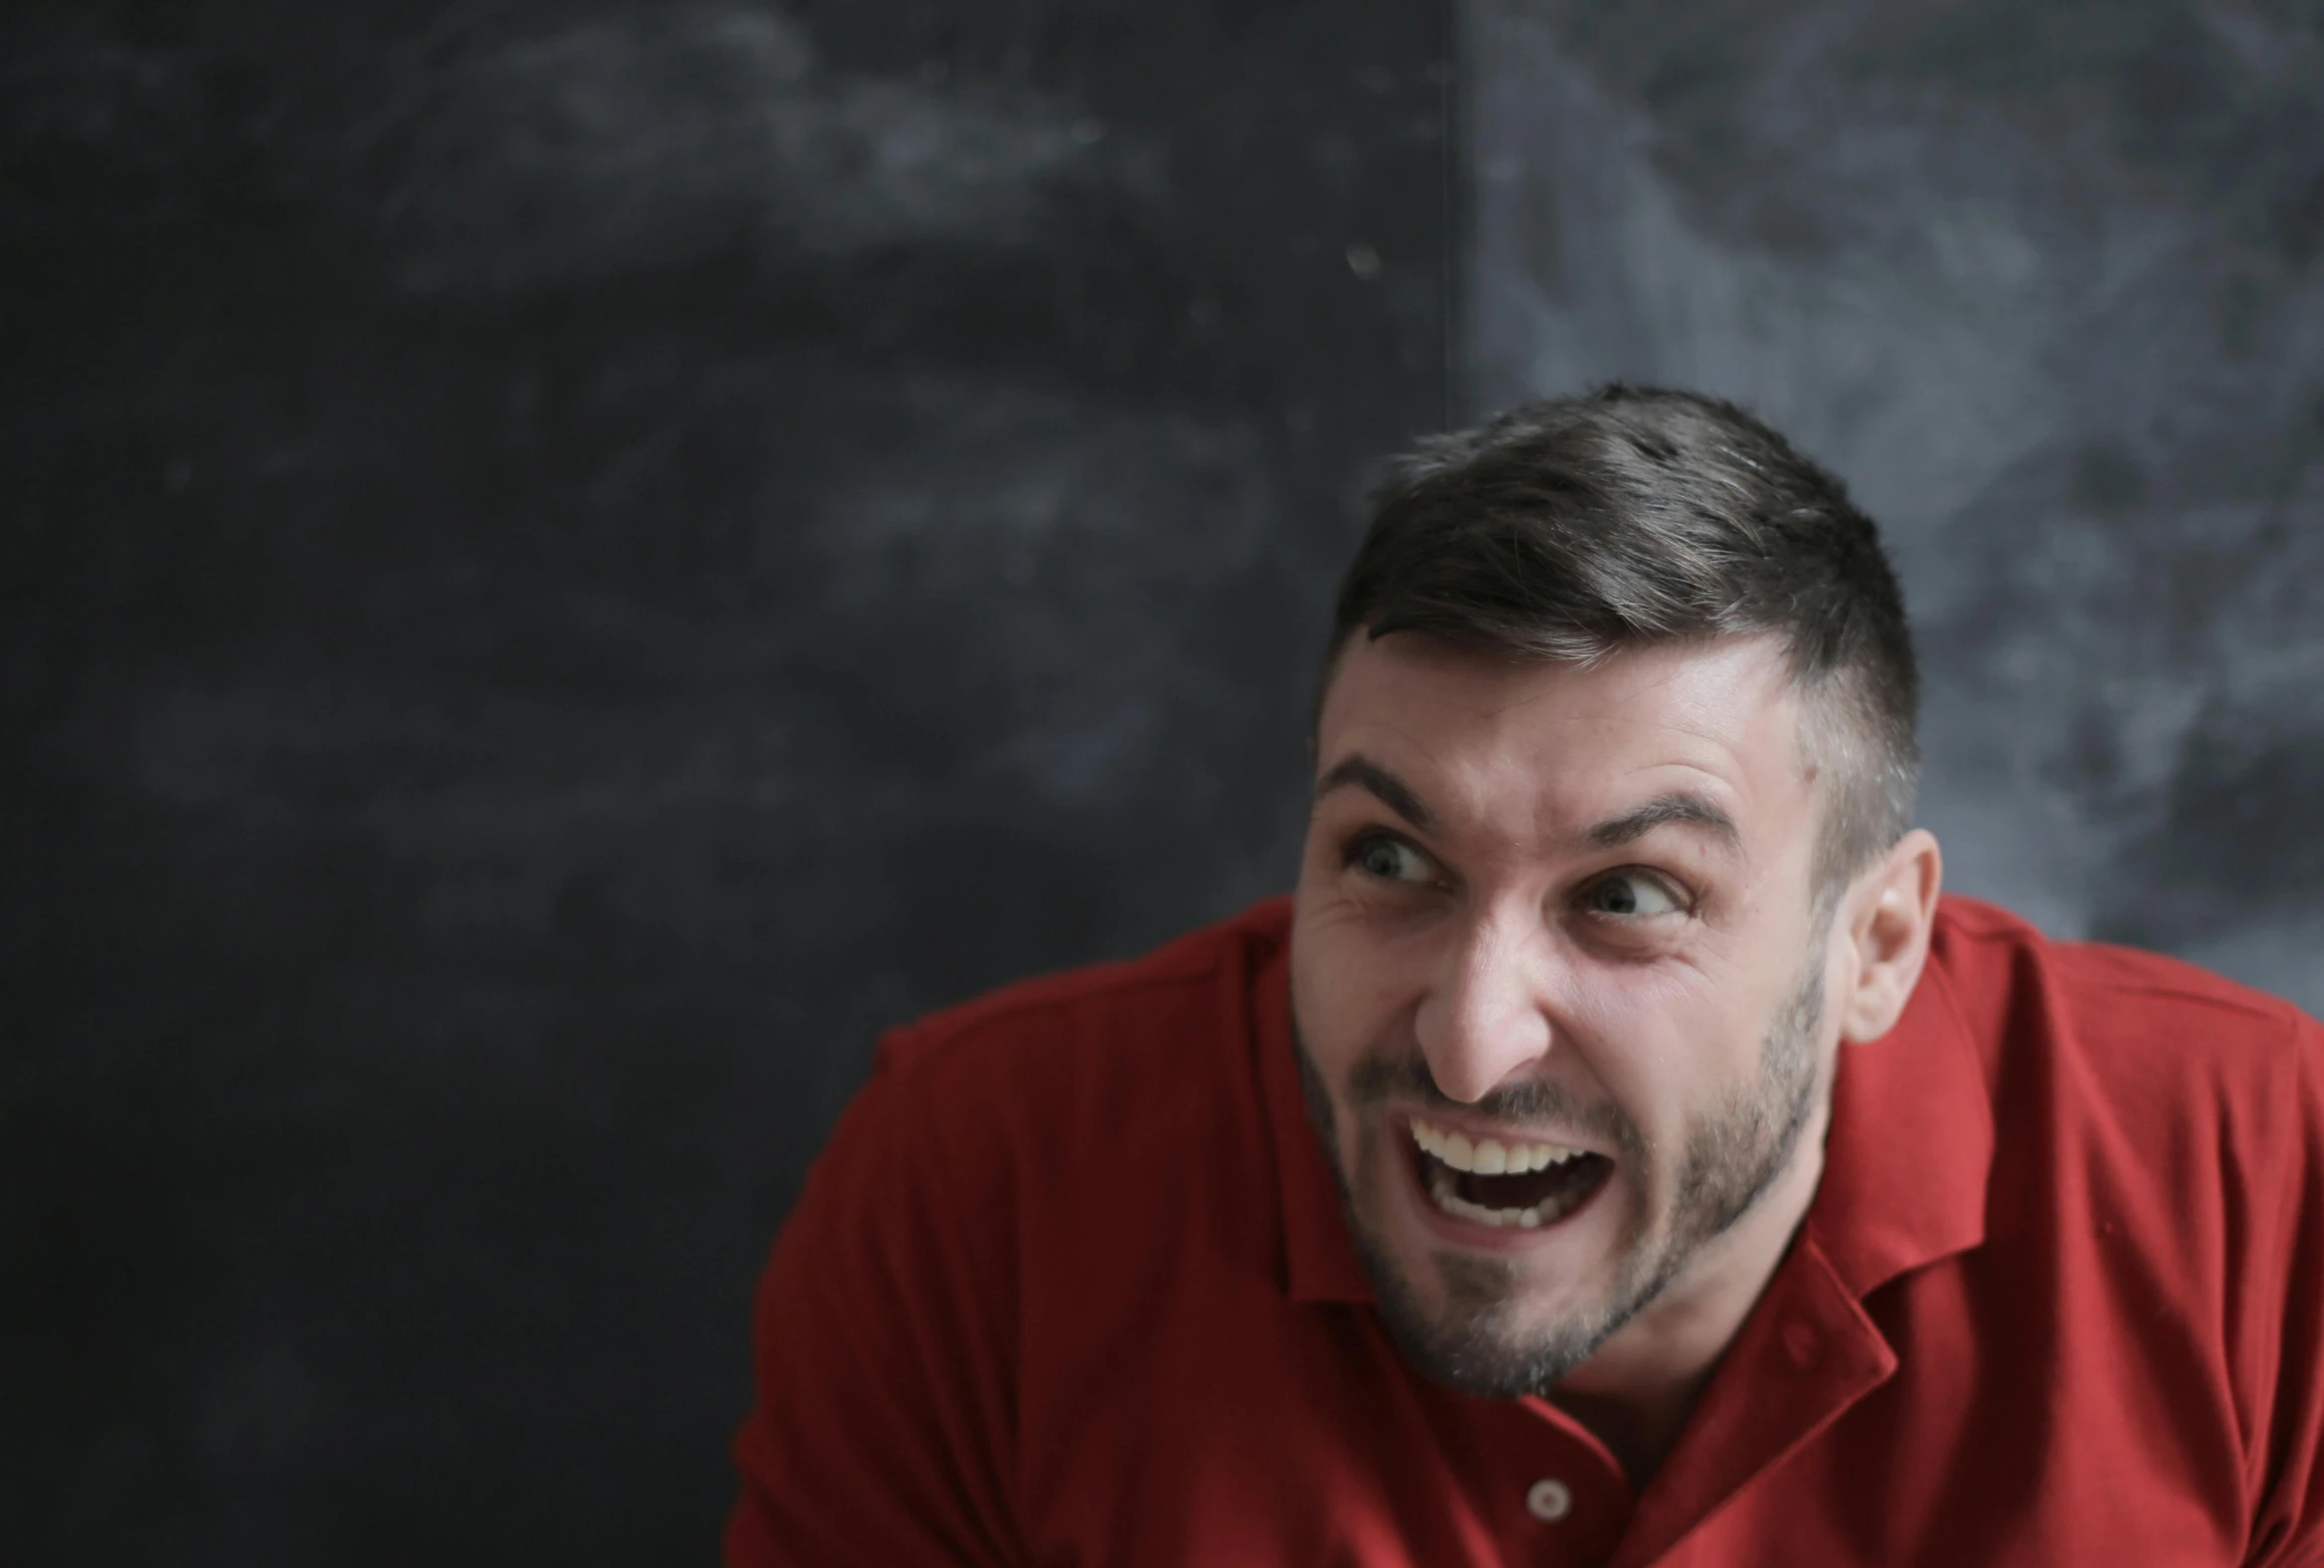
{"x": 1682, "y": 807}
{"x": 1358, "y": 772}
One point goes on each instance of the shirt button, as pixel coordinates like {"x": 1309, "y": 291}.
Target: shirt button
{"x": 1798, "y": 1342}
{"x": 1548, "y": 1501}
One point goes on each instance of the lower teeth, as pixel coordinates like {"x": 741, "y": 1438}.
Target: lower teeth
{"x": 1440, "y": 1190}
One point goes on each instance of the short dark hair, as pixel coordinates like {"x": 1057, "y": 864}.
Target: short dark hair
{"x": 1571, "y": 528}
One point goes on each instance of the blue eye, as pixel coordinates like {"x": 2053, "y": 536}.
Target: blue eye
{"x": 1390, "y": 860}
{"x": 1631, "y": 895}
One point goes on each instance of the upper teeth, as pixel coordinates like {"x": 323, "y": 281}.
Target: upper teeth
{"x": 1488, "y": 1156}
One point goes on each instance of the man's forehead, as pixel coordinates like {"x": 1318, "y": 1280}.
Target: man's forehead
{"x": 1722, "y": 691}
{"x": 1694, "y": 803}
{"x": 1702, "y": 736}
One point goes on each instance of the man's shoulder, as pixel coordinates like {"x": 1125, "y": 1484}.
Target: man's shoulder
{"x": 1986, "y": 948}
{"x": 1194, "y": 987}
{"x": 1021, "y": 1113}
{"x": 2163, "y": 1036}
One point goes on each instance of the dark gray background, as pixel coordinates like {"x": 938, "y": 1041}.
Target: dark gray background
{"x": 568, "y": 563}
{"x": 2045, "y": 281}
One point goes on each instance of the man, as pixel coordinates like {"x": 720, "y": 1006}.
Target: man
{"x": 1615, "y": 1153}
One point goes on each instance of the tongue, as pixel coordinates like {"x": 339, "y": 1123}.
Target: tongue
{"x": 1530, "y": 1189}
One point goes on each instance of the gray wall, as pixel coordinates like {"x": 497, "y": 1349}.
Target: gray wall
{"x": 2043, "y": 281}
{"x": 566, "y": 564}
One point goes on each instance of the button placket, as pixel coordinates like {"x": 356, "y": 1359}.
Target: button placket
{"x": 1575, "y": 1501}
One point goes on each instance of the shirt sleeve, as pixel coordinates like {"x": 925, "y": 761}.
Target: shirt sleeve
{"x": 880, "y": 1429}
{"x": 2288, "y": 1523}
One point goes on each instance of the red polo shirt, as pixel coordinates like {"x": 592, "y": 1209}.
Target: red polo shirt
{"x": 1071, "y": 1285}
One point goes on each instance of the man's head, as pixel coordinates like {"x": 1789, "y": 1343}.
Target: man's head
{"x": 1570, "y": 530}
{"x": 1614, "y": 770}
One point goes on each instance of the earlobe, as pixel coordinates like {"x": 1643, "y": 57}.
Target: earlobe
{"x": 1892, "y": 915}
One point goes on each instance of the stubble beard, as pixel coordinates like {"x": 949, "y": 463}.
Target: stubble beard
{"x": 1728, "y": 1163}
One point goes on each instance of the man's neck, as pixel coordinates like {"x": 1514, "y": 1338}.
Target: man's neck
{"x": 1637, "y": 1392}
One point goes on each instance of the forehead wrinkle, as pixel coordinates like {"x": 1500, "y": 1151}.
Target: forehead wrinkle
{"x": 1709, "y": 732}
{"x": 1452, "y": 799}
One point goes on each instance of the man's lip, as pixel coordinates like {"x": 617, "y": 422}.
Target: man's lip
{"x": 1401, "y": 1118}
{"x": 1486, "y": 1238}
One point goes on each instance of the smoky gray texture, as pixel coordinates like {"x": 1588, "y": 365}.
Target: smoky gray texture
{"x": 2042, "y": 284}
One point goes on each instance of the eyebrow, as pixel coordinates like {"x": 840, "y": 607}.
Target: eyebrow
{"x": 1681, "y": 806}
{"x": 1358, "y": 772}
{"x": 1678, "y": 807}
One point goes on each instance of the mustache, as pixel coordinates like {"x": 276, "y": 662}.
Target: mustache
{"x": 1382, "y": 1077}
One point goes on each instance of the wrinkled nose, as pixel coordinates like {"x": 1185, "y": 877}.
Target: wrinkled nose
{"x": 1485, "y": 1019}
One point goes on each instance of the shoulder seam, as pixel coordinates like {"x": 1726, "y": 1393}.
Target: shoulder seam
{"x": 2224, "y": 1004}
{"x": 2245, "y": 1001}
{"x": 2064, "y": 952}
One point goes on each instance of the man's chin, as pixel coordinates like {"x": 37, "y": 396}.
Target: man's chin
{"x": 1472, "y": 1323}
{"x": 1493, "y": 1323}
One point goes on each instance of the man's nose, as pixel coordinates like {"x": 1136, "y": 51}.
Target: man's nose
{"x": 1487, "y": 1015}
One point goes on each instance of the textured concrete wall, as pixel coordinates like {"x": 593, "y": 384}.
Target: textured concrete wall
{"x": 566, "y": 564}
{"x": 2043, "y": 281}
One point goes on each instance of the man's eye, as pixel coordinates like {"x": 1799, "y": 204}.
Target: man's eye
{"x": 1390, "y": 860}
{"x": 1631, "y": 895}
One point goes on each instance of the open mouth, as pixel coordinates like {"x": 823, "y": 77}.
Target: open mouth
{"x": 1510, "y": 1184}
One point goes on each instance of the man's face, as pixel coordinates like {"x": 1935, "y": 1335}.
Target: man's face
{"x": 1557, "y": 921}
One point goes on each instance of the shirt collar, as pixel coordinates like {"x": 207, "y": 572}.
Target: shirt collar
{"x": 1911, "y": 1149}
{"x": 1905, "y": 1162}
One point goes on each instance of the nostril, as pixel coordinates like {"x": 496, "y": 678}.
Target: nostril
{"x": 1484, "y": 1024}
{"x": 1469, "y": 1058}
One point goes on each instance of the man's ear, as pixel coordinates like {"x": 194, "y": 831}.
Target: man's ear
{"x": 1890, "y": 912}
